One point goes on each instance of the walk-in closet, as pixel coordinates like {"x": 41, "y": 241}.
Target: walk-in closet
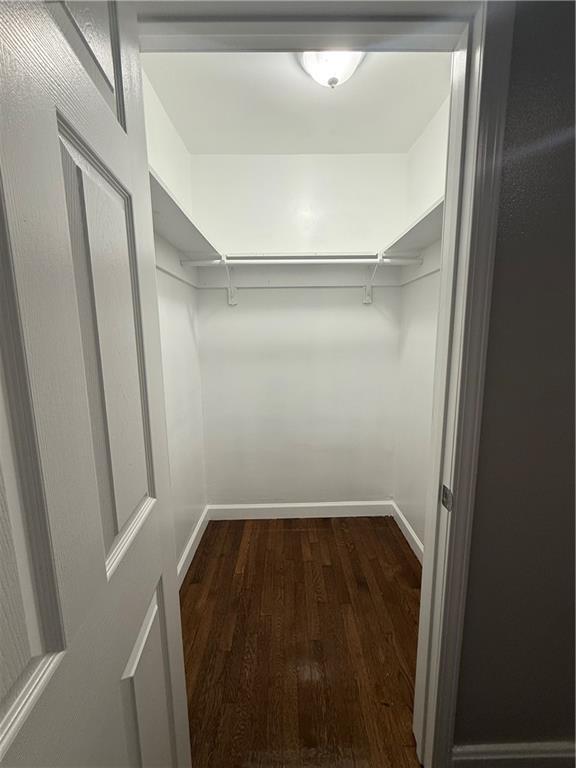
{"x": 298, "y": 235}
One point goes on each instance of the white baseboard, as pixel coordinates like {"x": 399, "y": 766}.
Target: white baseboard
{"x": 383, "y": 508}
{"x": 301, "y": 509}
{"x": 192, "y": 545}
{"x": 541, "y": 754}
{"x": 409, "y": 533}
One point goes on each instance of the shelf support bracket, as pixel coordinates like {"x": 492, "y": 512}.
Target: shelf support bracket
{"x": 232, "y": 290}
{"x": 369, "y": 285}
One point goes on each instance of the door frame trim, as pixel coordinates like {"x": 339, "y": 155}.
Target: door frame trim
{"x": 539, "y": 753}
{"x": 476, "y": 29}
{"x": 469, "y": 363}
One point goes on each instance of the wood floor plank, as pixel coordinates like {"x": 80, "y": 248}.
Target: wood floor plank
{"x": 300, "y": 644}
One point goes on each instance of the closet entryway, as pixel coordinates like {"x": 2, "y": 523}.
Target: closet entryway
{"x": 298, "y": 234}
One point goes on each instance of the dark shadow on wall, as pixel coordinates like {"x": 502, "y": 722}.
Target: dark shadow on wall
{"x": 517, "y": 670}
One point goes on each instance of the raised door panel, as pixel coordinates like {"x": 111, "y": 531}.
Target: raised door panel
{"x": 146, "y": 700}
{"x": 114, "y": 303}
{"x": 40, "y": 341}
{"x": 15, "y": 652}
{"x": 100, "y": 221}
{"x": 91, "y": 29}
{"x": 15, "y": 643}
{"x": 30, "y": 630}
{"x": 93, "y": 22}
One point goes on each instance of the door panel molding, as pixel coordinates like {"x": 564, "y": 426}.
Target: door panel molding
{"x": 16, "y": 647}
{"x": 32, "y": 662}
{"x": 25, "y": 446}
{"x": 151, "y": 738}
{"x": 124, "y": 540}
{"x": 92, "y": 31}
{"x": 111, "y": 266}
{"x": 120, "y": 526}
{"x": 20, "y": 703}
{"x": 89, "y": 164}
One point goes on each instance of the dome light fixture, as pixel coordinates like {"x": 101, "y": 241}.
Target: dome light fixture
{"x": 330, "y": 68}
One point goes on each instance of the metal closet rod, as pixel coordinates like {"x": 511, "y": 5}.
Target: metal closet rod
{"x": 254, "y": 259}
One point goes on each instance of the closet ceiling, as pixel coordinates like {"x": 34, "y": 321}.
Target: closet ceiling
{"x": 264, "y": 103}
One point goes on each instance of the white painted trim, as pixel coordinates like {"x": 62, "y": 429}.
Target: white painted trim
{"x": 472, "y": 309}
{"x": 286, "y": 510}
{"x": 409, "y": 533}
{"x": 127, "y": 535}
{"x": 192, "y": 545}
{"x": 188, "y": 33}
{"x": 141, "y": 640}
{"x": 460, "y": 156}
{"x": 539, "y": 754}
{"x": 301, "y": 509}
{"x": 34, "y": 681}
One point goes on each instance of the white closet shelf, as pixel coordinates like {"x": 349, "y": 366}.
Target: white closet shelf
{"x": 174, "y": 225}
{"x": 427, "y": 229}
{"x": 405, "y": 250}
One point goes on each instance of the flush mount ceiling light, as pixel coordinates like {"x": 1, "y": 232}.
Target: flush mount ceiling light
{"x": 330, "y": 68}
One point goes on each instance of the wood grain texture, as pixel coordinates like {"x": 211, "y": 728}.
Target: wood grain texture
{"x": 300, "y": 644}
{"x": 92, "y": 20}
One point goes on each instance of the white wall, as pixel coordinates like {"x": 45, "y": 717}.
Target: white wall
{"x": 307, "y": 394}
{"x": 167, "y": 153}
{"x": 299, "y": 203}
{"x": 516, "y": 681}
{"x": 177, "y": 303}
{"x": 426, "y": 165}
{"x": 416, "y": 358}
{"x": 425, "y": 183}
{"x": 326, "y": 203}
{"x": 299, "y": 395}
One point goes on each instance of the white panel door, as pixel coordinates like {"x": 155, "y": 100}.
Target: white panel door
{"x": 91, "y": 664}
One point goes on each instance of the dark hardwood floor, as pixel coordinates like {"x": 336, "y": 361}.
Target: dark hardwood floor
{"x": 300, "y": 644}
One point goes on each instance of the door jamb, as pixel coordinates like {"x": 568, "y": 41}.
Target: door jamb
{"x": 481, "y": 33}
{"x": 491, "y": 55}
